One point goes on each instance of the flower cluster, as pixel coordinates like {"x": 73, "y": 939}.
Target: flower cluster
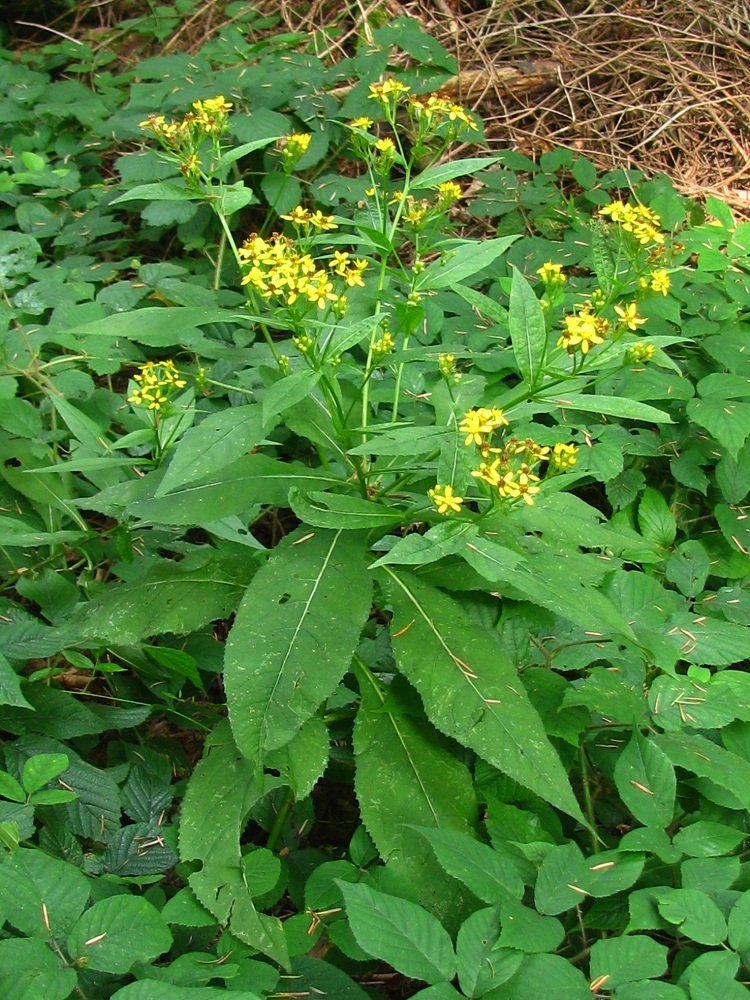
{"x": 640, "y": 352}
{"x": 277, "y": 270}
{"x": 307, "y": 222}
{"x": 293, "y": 147}
{"x": 552, "y": 276}
{"x": 430, "y": 113}
{"x": 638, "y": 220}
{"x": 509, "y": 469}
{"x": 157, "y": 382}
{"x": 582, "y": 330}
{"x": 658, "y": 282}
{"x": 183, "y": 139}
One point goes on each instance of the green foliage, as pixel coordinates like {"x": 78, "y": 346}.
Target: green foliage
{"x": 453, "y": 530}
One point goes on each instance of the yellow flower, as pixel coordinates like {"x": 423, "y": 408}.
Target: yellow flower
{"x": 582, "y": 330}
{"x": 362, "y": 122}
{"x": 629, "y": 316}
{"x": 563, "y": 457}
{"x": 476, "y": 423}
{"x": 551, "y": 275}
{"x": 445, "y": 499}
{"x": 660, "y": 281}
{"x": 383, "y": 92}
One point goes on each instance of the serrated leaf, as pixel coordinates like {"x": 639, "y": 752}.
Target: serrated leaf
{"x": 138, "y": 849}
{"x": 491, "y": 875}
{"x": 655, "y": 519}
{"x": 626, "y": 959}
{"x": 149, "y": 989}
{"x": 30, "y": 970}
{"x": 556, "y": 976}
{"x": 739, "y": 923}
{"x": 728, "y": 422}
{"x": 219, "y": 796}
{"x": 528, "y": 329}
{"x": 212, "y": 444}
{"x": 646, "y": 782}
{"x": 696, "y": 914}
{"x": 702, "y": 757}
{"x": 302, "y": 760}
{"x": 29, "y": 880}
{"x": 528, "y": 931}
{"x": 480, "y": 961}
{"x": 335, "y": 510}
{"x": 287, "y": 391}
{"x": 688, "y": 568}
{"x": 706, "y": 839}
{"x": 294, "y": 635}
{"x": 399, "y": 932}
{"x": 469, "y": 688}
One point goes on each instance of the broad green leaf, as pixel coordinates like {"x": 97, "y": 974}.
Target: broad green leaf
{"x": 213, "y": 444}
{"x": 250, "y": 480}
{"x": 405, "y": 775}
{"x": 30, "y": 970}
{"x": 551, "y": 974}
{"x": 117, "y": 932}
{"x": 184, "y": 910}
{"x": 696, "y": 914}
{"x": 728, "y": 422}
{"x": 31, "y": 880}
{"x": 528, "y": 329}
{"x": 10, "y": 685}
{"x": 560, "y": 883}
{"x": 444, "y": 539}
{"x": 712, "y": 975}
{"x": 335, "y": 510}
{"x": 236, "y": 196}
{"x": 485, "y": 305}
{"x": 156, "y": 326}
{"x": 611, "y": 406}
{"x": 138, "y": 849}
{"x": 324, "y": 979}
{"x": 293, "y": 639}
{"x": 706, "y": 839}
{"x": 528, "y": 931}
{"x": 399, "y": 932}
{"x": 232, "y": 155}
{"x": 733, "y": 476}
{"x": 646, "y": 782}
{"x": 10, "y": 788}
{"x": 710, "y": 875}
{"x": 470, "y": 690}
{"x": 38, "y": 770}
{"x": 480, "y": 961}
{"x": 626, "y": 959}
{"x": 703, "y": 757}
{"x": 733, "y": 527}
{"x": 197, "y": 595}
{"x": 688, "y": 568}
{"x": 655, "y": 519}
{"x": 221, "y": 791}
{"x": 466, "y": 261}
{"x": 649, "y": 990}
{"x": 491, "y": 875}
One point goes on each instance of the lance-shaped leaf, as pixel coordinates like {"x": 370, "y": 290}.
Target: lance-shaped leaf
{"x": 220, "y": 794}
{"x": 296, "y": 630}
{"x": 406, "y": 775}
{"x": 469, "y": 687}
{"x": 528, "y": 330}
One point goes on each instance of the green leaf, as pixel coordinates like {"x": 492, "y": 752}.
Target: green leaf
{"x": 728, "y": 422}
{"x": 288, "y": 391}
{"x": 696, "y": 914}
{"x": 528, "y": 931}
{"x": 655, "y": 519}
{"x": 627, "y": 959}
{"x": 480, "y": 961}
{"x": 160, "y": 191}
{"x": 555, "y": 976}
{"x": 399, "y": 932}
{"x": 646, "y": 782}
{"x": 302, "y": 760}
{"x": 706, "y": 839}
{"x": 155, "y": 326}
{"x": 332, "y": 510}
{"x": 117, "y": 932}
{"x": 220, "y": 793}
{"x": 138, "y": 849}
{"x": 233, "y": 490}
{"x": 405, "y": 775}
{"x": 42, "y": 768}
{"x": 470, "y": 690}
{"x": 236, "y": 196}
{"x": 713, "y": 975}
{"x": 442, "y": 172}
{"x": 491, "y": 876}
{"x": 611, "y": 406}
{"x": 198, "y": 594}
{"x": 733, "y": 527}
{"x": 528, "y": 329}
{"x": 213, "y": 444}
{"x": 10, "y": 789}
{"x": 688, "y": 568}
{"x": 31, "y": 880}
{"x": 702, "y": 757}
{"x": 444, "y": 539}
{"x": 566, "y": 877}
{"x": 470, "y": 258}
{"x": 293, "y": 639}
{"x": 30, "y": 970}
{"x": 733, "y": 476}
{"x": 739, "y": 924}
{"x": 10, "y": 685}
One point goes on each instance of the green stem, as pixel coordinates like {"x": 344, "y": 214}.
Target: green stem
{"x": 281, "y": 818}
{"x": 587, "y": 798}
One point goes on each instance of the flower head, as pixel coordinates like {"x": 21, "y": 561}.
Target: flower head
{"x": 629, "y": 316}
{"x": 445, "y": 499}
